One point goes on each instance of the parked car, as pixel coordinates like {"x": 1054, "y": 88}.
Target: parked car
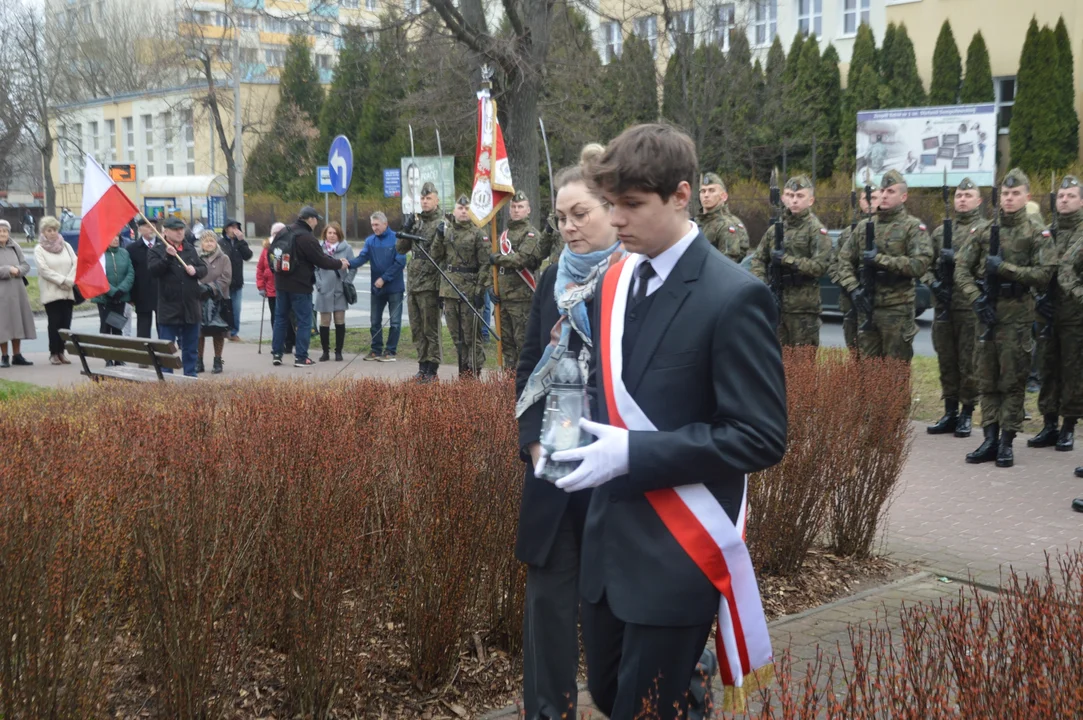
{"x": 830, "y": 292}
{"x": 69, "y": 228}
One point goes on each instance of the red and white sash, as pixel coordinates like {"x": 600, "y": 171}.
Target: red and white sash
{"x": 695, "y": 518}
{"x": 526, "y": 275}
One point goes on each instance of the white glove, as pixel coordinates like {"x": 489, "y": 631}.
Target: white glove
{"x": 603, "y": 460}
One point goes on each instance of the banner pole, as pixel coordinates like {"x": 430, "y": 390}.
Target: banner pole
{"x": 496, "y": 291}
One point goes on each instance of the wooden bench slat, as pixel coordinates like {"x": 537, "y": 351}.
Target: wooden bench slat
{"x": 138, "y": 357}
{"x": 136, "y": 375}
{"x": 163, "y": 347}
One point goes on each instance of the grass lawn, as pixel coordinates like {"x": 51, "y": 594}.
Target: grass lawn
{"x": 10, "y": 389}
{"x": 35, "y": 297}
{"x": 928, "y": 407}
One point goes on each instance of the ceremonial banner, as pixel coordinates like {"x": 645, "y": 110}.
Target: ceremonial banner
{"x": 492, "y": 174}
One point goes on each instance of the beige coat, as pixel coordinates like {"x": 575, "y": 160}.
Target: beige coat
{"x": 56, "y": 274}
{"x": 16, "y": 317}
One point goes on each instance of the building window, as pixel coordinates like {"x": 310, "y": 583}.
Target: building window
{"x": 370, "y": 5}
{"x": 277, "y": 25}
{"x": 725, "y": 18}
{"x": 682, "y": 24}
{"x": 764, "y": 21}
{"x": 248, "y": 21}
{"x": 1005, "y": 99}
{"x": 148, "y": 144}
{"x": 646, "y": 27}
{"x": 351, "y": 4}
{"x": 88, "y": 16}
{"x": 167, "y": 132}
{"x": 324, "y": 62}
{"x": 221, "y": 20}
{"x": 62, "y": 142}
{"x": 854, "y": 13}
{"x": 77, "y": 138}
{"x": 370, "y": 38}
{"x": 810, "y": 17}
{"x": 321, "y": 27}
{"x": 249, "y": 56}
{"x": 412, "y": 6}
{"x": 613, "y": 40}
{"x": 95, "y": 141}
{"x": 129, "y": 140}
{"x": 274, "y": 57}
{"x": 189, "y": 143}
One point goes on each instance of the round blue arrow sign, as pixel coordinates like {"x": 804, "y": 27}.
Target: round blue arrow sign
{"x": 340, "y": 162}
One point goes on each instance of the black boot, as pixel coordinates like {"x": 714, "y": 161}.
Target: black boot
{"x": 1005, "y": 456}
{"x": 1079, "y": 472}
{"x": 217, "y": 368}
{"x": 432, "y": 376}
{"x": 1047, "y": 437}
{"x": 325, "y": 343}
{"x": 1066, "y": 440}
{"x": 18, "y": 359}
{"x": 422, "y": 372}
{"x": 962, "y": 428}
{"x": 949, "y": 422}
{"x": 199, "y": 366}
{"x": 340, "y": 338}
{"x": 987, "y": 451}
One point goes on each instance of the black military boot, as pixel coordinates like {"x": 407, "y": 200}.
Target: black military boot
{"x": 325, "y": 343}
{"x": 962, "y": 428}
{"x": 1005, "y": 456}
{"x": 1047, "y": 437}
{"x": 432, "y": 376}
{"x": 1066, "y": 440}
{"x": 422, "y": 373}
{"x": 949, "y": 422}
{"x": 987, "y": 451}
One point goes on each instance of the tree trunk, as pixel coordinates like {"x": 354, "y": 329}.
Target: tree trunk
{"x": 521, "y": 139}
{"x": 47, "y": 174}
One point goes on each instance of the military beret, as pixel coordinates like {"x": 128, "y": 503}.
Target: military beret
{"x": 428, "y": 189}
{"x": 712, "y": 179}
{"x": 798, "y": 182}
{"x": 463, "y": 200}
{"x": 519, "y": 196}
{"x": 1069, "y": 181}
{"x": 891, "y": 177}
{"x": 967, "y": 184}
{"x": 1015, "y": 178}
{"x": 173, "y": 223}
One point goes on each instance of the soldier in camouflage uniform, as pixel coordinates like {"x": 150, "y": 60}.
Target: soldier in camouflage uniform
{"x": 518, "y": 259}
{"x": 846, "y": 307}
{"x": 463, "y": 253}
{"x": 551, "y": 244}
{"x": 1061, "y": 354}
{"x": 1027, "y": 260}
{"x": 954, "y": 325}
{"x": 806, "y": 250}
{"x": 903, "y": 253}
{"x": 722, "y": 228}
{"x": 423, "y": 285}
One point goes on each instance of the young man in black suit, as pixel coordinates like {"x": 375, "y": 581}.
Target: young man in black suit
{"x": 691, "y": 398}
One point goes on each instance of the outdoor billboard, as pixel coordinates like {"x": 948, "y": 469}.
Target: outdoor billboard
{"x": 922, "y": 142}
{"x": 416, "y": 171}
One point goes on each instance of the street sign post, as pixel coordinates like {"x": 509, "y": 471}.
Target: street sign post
{"x": 323, "y": 185}
{"x": 340, "y": 163}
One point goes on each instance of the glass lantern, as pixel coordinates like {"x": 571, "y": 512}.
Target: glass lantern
{"x": 565, "y": 404}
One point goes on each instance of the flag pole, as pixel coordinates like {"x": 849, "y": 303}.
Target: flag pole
{"x": 486, "y": 84}
{"x": 148, "y": 222}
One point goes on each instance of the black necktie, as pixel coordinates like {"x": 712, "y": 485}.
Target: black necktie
{"x": 645, "y": 272}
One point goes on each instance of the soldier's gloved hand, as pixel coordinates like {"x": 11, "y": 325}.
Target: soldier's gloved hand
{"x": 550, "y": 225}
{"x": 947, "y": 255}
{"x": 1044, "y": 307}
{"x": 441, "y": 228}
{"x": 776, "y": 257}
{"x": 942, "y": 292}
{"x": 993, "y": 264}
{"x": 479, "y": 299}
{"x": 861, "y": 301}
{"x": 986, "y": 314}
{"x": 495, "y": 298}
{"x": 493, "y": 257}
{"x": 408, "y": 222}
{"x": 869, "y": 258}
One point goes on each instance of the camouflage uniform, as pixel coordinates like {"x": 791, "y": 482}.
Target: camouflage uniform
{"x": 1069, "y": 318}
{"x": 1003, "y": 361}
{"x": 551, "y": 243}
{"x": 954, "y": 328}
{"x": 903, "y": 254}
{"x": 463, "y": 253}
{"x": 515, "y": 295}
{"x": 806, "y": 249}
{"x": 849, "y": 316}
{"x": 722, "y": 228}
{"x": 423, "y": 290}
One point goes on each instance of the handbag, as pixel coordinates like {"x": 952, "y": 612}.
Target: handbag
{"x": 114, "y": 317}
{"x": 348, "y": 290}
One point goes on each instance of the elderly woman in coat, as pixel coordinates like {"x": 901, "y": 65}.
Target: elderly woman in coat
{"x": 56, "y": 284}
{"x": 16, "y": 317}
{"x": 219, "y": 276}
{"x": 330, "y": 295}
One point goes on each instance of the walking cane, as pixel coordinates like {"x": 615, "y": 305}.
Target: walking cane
{"x": 262, "y": 310}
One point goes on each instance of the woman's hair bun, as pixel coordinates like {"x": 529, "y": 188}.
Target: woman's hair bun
{"x": 591, "y": 153}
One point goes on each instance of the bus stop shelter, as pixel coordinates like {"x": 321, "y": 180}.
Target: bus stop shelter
{"x": 198, "y": 198}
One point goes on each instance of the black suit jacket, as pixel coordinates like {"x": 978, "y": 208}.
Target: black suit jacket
{"x": 707, "y": 370}
{"x": 543, "y": 504}
{"x": 144, "y": 291}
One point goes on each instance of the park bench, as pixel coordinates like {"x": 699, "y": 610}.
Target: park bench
{"x": 158, "y": 354}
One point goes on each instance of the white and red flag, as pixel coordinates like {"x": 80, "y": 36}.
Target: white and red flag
{"x": 492, "y": 174}
{"x": 106, "y": 209}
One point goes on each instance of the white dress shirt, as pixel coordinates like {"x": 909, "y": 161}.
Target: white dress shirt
{"x": 665, "y": 261}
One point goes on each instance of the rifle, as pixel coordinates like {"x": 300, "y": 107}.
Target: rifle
{"x": 853, "y": 230}
{"x": 774, "y": 268}
{"x": 868, "y": 270}
{"x": 945, "y": 266}
{"x": 992, "y": 280}
{"x": 1046, "y": 304}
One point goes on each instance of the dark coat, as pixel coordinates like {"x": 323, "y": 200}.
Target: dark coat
{"x": 706, "y": 368}
{"x": 178, "y": 292}
{"x": 543, "y": 504}
{"x": 307, "y": 256}
{"x": 237, "y": 250}
{"x": 144, "y": 290}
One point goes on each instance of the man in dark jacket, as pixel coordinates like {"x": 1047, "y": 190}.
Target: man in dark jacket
{"x": 294, "y": 288}
{"x": 145, "y": 290}
{"x": 179, "y": 308}
{"x": 236, "y": 248}
{"x": 388, "y": 287}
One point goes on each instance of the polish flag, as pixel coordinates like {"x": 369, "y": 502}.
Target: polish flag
{"x": 106, "y": 209}
{"x": 492, "y": 173}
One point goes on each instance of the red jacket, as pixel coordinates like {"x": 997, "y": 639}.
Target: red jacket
{"x": 265, "y": 277}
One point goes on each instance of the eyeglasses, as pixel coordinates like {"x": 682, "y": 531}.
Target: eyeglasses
{"x": 578, "y": 220}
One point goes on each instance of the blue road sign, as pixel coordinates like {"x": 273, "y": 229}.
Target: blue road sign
{"x": 340, "y": 162}
{"x": 392, "y": 182}
{"x": 323, "y": 179}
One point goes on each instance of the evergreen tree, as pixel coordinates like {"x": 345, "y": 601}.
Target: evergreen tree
{"x": 773, "y": 127}
{"x": 806, "y": 108}
{"x": 676, "y": 84}
{"x": 830, "y": 89}
{"x": 978, "y": 82}
{"x": 862, "y": 93}
{"x": 1037, "y": 130}
{"x": 947, "y": 69}
{"x": 736, "y": 117}
{"x": 886, "y": 66}
{"x": 902, "y": 85}
{"x": 789, "y": 71}
{"x": 300, "y": 83}
{"x": 1066, "y": 86}
{"x": 632, "y": 86}
{"x": 341, "y": 114}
